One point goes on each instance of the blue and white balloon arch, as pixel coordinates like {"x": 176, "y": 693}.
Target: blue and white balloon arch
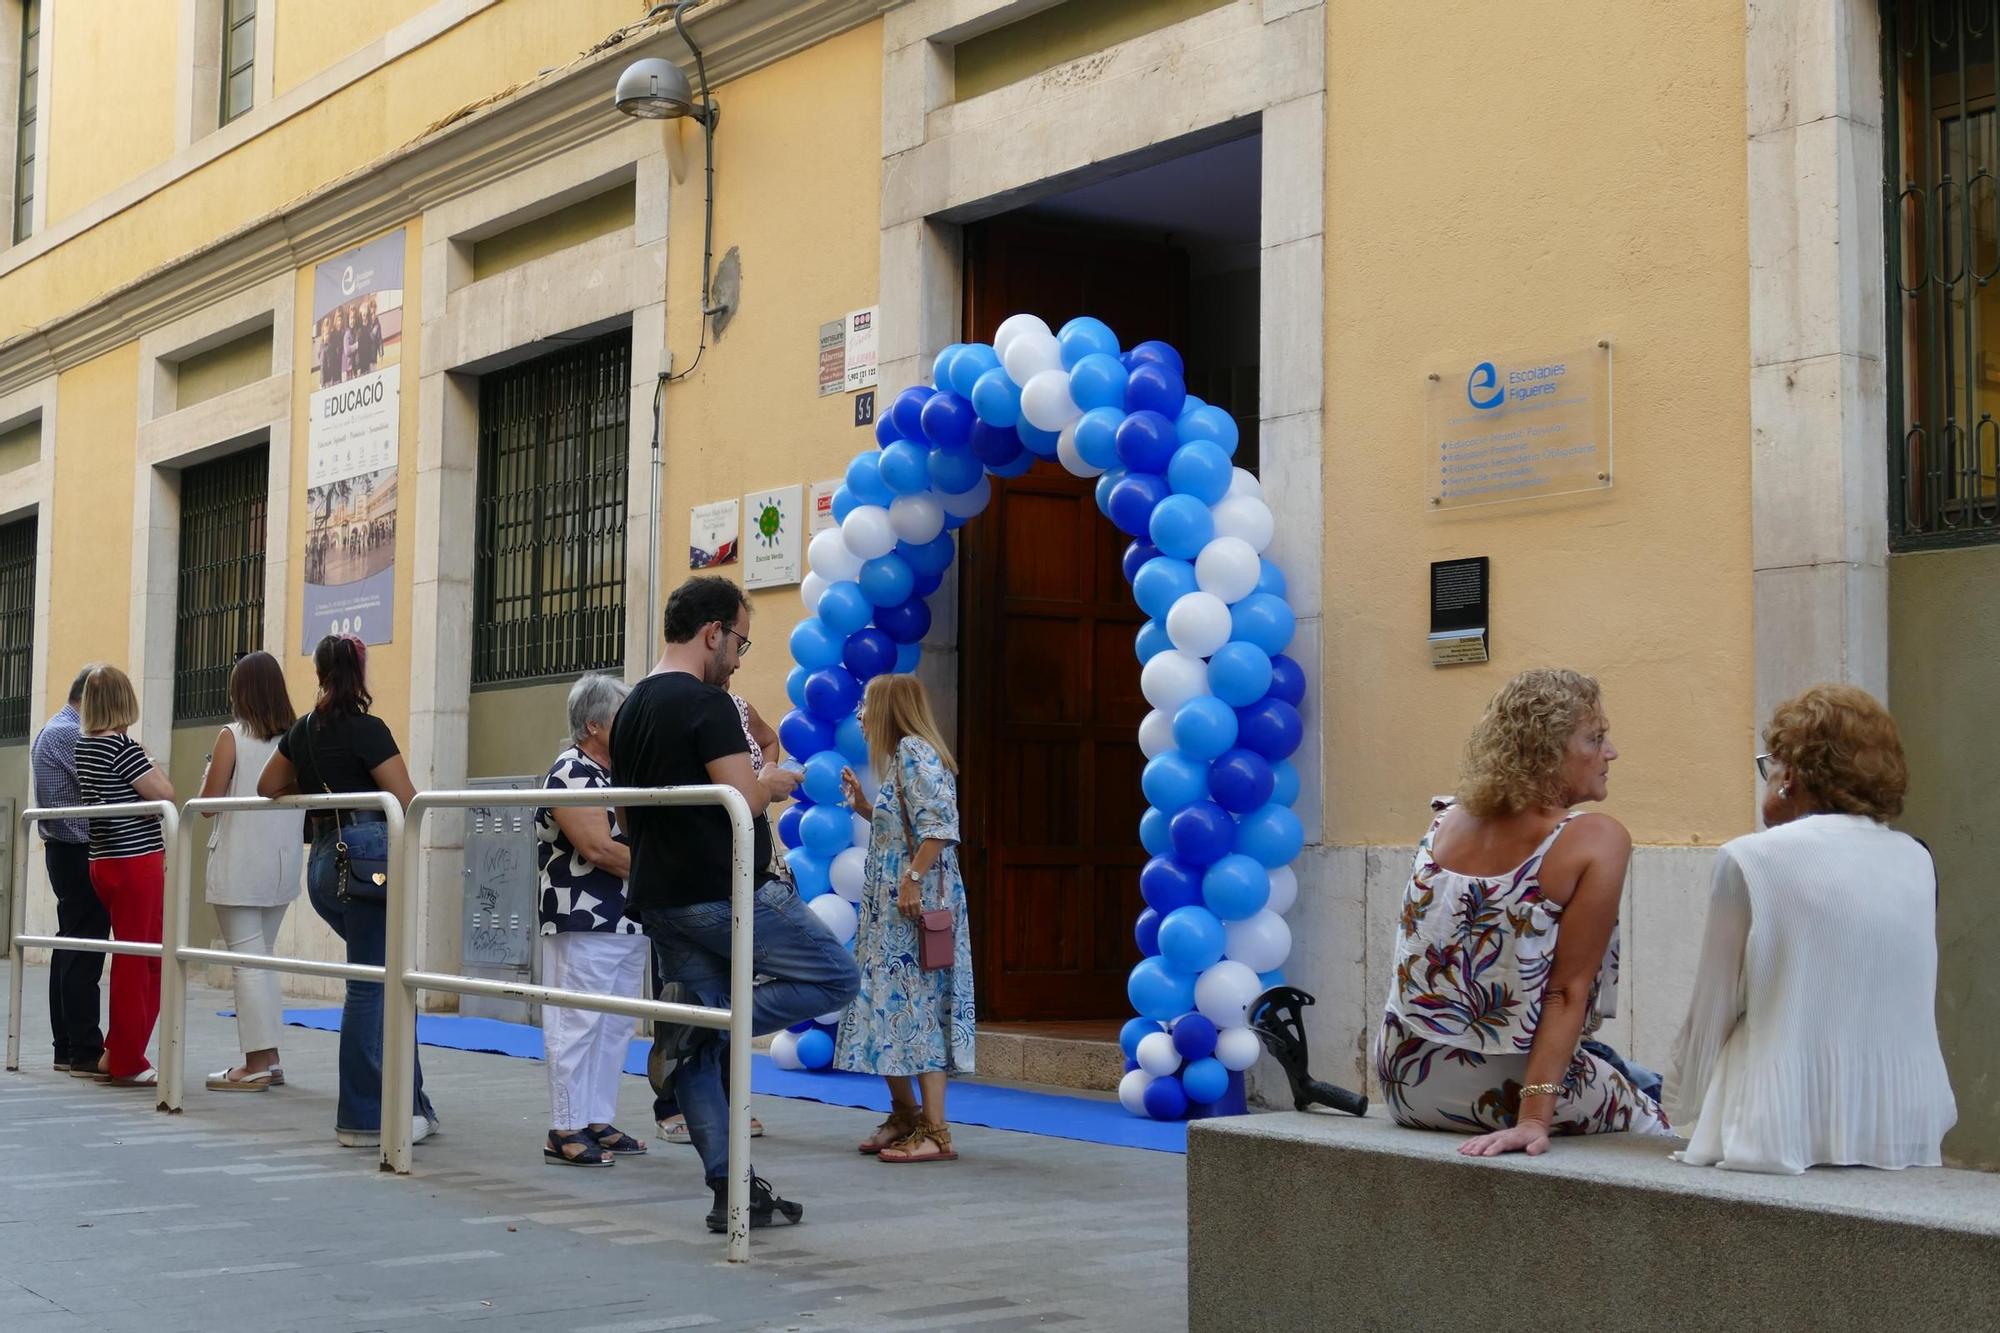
{"x": 1219, "y": 778}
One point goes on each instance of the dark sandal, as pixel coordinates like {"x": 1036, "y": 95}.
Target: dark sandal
{"x": 592, "y": 1155}
{"x": 906, "y": 1154}
{"x": 900, "y": 1124}
{"x": 615, "y": 1140}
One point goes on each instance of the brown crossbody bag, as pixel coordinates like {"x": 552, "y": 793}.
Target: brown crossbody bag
{"x": 937, "y": 935}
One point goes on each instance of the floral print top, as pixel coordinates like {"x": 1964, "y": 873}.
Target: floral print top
{"x": 1473, "y": 953}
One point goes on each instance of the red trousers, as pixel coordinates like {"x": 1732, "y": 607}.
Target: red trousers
{"x": 131, "y": 888}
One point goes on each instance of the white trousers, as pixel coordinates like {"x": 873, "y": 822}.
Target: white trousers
{"x": 260, "y": 1007}
{"x": 586, "y": 1050}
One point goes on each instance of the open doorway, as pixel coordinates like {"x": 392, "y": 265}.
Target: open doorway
{"x": 1049, "y": 699}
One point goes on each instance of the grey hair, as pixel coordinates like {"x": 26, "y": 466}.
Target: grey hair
{"x": 76, "y": 686}
{"x": 594, "y": 698}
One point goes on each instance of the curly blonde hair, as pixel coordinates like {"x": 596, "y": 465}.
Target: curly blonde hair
{"x": 1514, "y": 757}
{"x": 1841, "y": 745}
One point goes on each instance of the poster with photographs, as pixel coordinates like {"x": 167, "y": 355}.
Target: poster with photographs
{"x": 351, "y": 443}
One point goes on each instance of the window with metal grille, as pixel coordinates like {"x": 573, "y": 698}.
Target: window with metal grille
{"x": 27, "y": 108}
{"x": 1941, "y": 157}
{"x": 17, "y": 626}
{"x": 239, "y": 56}
{"x": 220, "y": 616}
{"x": 549, "y": 569}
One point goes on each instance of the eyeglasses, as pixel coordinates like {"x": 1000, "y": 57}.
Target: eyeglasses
{"x": 1764, "y": 766}
{"x": 742, "y": 644}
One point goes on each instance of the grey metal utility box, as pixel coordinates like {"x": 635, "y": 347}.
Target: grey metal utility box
{"x": 501, "y": 881}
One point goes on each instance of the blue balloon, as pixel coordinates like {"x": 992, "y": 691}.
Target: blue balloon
{"x": 1288, "y": 680}
{"x": 1154, "y": 833}
{"x": 1194, "y": 1036}
{"x": 1189, "y": 407}
{"x": 907, "y": 657}
{"x": 804, "y": 1025}
{"x": 822, "y": 776}
{"x": 1135, "y": 558}
{"x": 1157, "y": 991}
{"x": 809, "y": 872}
{"x": 1236, "y": 887}
{"x": 1239, "y": 673}
{"x": 1204, "y": 1080}
{"x": 885, "y": 581}
{"x": 864, "y": 481}
{"x": 795, "y": 686}
{"x": 948, "y": 421}
{"x": 849, "y": 739}
{"x": 868, "y": 654}
{"x": 955, "y": 471}
{"x": 1146, "y": 933}
{"x": 1160, "y": 583}
{"x": 1024, "y": 463}
{"x": 996, "y": 399}
{"x": 1132, "y": 501}
{"x": 1097, "y": 436}
{"x": 886, "y": 433}
{"x": 1135, "y": 1031}
{"x": 941, "y": 365}
{"x": 1085, "y": 336}
{"x": 1167, "y": 885}
{"x": 933, "y": 557}
{"x": 906, "y": 622}
{"x": 827, "y": 830}
{"x": 1152, "y": 641}
{"x": 1106, "y": 484}
{"x": 814, "y": 643}
{"x": 908, "y": 411}
{"x": 1166, "y": 1100}
{"x": 1191, "y": 939}
{"x": 926, "y": 584}
{"x": 1271, "y": 727}
{"x": 844, "y": 504}
{"x": 1202, "y": 833}
{"x": 1260, "y": 619}
{"x": 972, "y": 361}
{"x": 1271, "y": 834}
{"x": 1285, "y": 782}
{"x": 1242, "y": 781}
{"x": 788, "y": 826}
{"x": 1154, "y": 387}
{"x": 831, "y": 693}
{"x": 815, "y": 1049}
{"x": 1270, "y": 579}
{"x": 1039, "y": 442}
{"x": 1200, "y": 469}
{"x": 1146, "y": 441}
{"x": 1098, "y": 381}
{"x": 1211, "y": 423}
{"x": 1275, "y": 977}
{"x": 1159, "y": 353}
{"x": 845, "y": 608}
{"x": 1204, "y": 727}
{"x": 1173, "y": 781}
{"x": 906, "y": 468}
{"x": 995, "y": 446}
{"x": 1180, "y": 526}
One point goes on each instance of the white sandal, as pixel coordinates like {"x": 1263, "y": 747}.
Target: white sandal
{"x": 258, "y": 1081}
{"x": 149, "y": 1079}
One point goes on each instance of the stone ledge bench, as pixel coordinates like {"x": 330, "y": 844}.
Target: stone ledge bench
{"x": 1317, "y": 1221}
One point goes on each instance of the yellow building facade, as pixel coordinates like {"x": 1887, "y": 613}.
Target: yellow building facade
{"x": 1326, "y": 206}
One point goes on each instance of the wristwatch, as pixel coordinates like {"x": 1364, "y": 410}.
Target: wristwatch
{"x": 914, "y": 875}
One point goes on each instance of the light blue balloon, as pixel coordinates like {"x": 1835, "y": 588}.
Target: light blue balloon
{"x": 1135, "y": 1031}
{"x": 1191, "y": 938}
{"x": 845, "y": 608}
{"x": 864, "y": 480}
{"x": 1152, "y": 641}
{"x": 1181, "y": 525}
{"x": 1270, "y": 579}
{"x": 1105, "y": 485}
{"x": 1173, "y": 781}
{"x": 1204, "y": 727}
{"x": 933, "y": 557}
{"x": 907, "y": 657}
{"x": 810, "y": 872}
{"x": 941, "y": 366}
{"x": 795, "y": 685}
{"x": 1271, "y": 835}
{"x": 1160, "y": 583}
{"x": 1188, "y": 406}
{"x": 996, "y": 398}
{"x": 815, "y": 644}
{"x": 1284, "y": 783}
{"x": 827, "y": 830}
{"x": 1239, "y": 673}
{"x": 815, "y": 1050}
{"x": 822, "y": 778}
{"x": 1083, "y": 337}
{"x": 906, "y": 468}
{"x": 885, "y": 581}
{"x": 1155, "y": 832}
{"x": 1200, "y": 469}
{"x": 1204, "y": 1080}
{"x": 849, "y": 740}
{"x": 1275, "y": 977}
{"x": 1236, "y": 887}
{"x": 972, "y": 361}
{"x": 1261, "y": 619}
{"x": 1098, "y": 381}
{"x": 1210, "y": 423}
{"x": 1016, "y": 466}
{"x": 1160, "y": 991}
{"x": 1097, "y": 436}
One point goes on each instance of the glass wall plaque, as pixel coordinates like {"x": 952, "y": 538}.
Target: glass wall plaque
{"x": 1518, "y": 428}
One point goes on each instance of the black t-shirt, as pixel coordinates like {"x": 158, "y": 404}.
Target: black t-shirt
{"x": 669, "y": 730}
{"x": 343, "y": 752}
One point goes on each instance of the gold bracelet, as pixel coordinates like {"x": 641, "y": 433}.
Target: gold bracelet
{"x": 1542, "y": 1089}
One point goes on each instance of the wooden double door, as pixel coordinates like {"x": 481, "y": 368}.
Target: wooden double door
{"x": 1049, "y": 690}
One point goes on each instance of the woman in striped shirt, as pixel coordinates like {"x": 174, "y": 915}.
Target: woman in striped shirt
{"x": 127, "y": 866}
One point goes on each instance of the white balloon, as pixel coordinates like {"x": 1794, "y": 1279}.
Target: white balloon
{"x": 1045, "y": 400}
{"x": 1030, "y": 353}
{"x": 831, "y": 1020}
{"x": 1156, "y": 733}
{"x": 1243, "y": 516}
{"x": 1284, "y": 891}
{"x": 917, "y": 519}
{"x": 1259, "y": 942}
{"x": 1238, "y": 1049}
{"x": 1228, "y": 567}
{"x": 1223, "y": 993}
{"x": 867, "y": 533}
{"x": 785, "y": 1051}
{"x": 1242, "y": 482}
{"x": 836, "y": 914}
{"x": 1066, "y": 453}
{"x": 1012, "y": 327}
{"x": 811, "y": 588}
{"x": 1172, "y": 678}
{"x": 830, "y": 559}
{"x": 1132, "y": 1091}
{"x": 967, "y": 504}
{"x": 1198, "y": 623}
{"x": 1157, "y": 1055}
{"x": 848, "y": 874}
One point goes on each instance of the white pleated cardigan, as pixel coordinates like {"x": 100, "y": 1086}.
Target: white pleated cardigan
{"x": 1812, "y": 1035}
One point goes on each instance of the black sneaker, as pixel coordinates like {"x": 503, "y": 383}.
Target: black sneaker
{"x": 673, "y": 1042}
{"x": 765, "y": 1206}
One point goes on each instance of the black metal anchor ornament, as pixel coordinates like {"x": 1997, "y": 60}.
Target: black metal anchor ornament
{"x": 1277, "y": 1016}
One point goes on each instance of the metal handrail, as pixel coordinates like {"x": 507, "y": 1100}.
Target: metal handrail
{"x": 170, "y": 834}
{"x": 399, "y": 1008}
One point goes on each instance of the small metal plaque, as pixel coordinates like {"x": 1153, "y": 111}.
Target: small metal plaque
{"x": 1460, "y": 611}
{"x": 1519, "y": 428}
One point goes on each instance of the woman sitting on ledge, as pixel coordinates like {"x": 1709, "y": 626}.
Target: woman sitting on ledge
{"x": 1812, "y": 1037}
{"x": 1507, "y": 954}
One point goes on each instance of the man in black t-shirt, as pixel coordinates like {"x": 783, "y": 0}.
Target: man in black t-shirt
{"x": 679, "y": 727}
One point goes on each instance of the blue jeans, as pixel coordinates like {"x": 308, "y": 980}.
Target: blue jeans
{"x": 806, "y": 970}
{"x": 363, "y": 924}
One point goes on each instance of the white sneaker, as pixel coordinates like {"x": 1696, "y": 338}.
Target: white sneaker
{"x": 357, "y": 1138}
{"x": 420, "y": 1129}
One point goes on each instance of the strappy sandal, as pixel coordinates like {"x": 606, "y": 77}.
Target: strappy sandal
{"x": 614, "y": 1140}
{"x": 149, "y": 1079}
{"x": 902, "y": 1123}
{"x": 592, "y": 1155}
{"x": 906, "y": 1153}
{"x": 257, "y": 1080}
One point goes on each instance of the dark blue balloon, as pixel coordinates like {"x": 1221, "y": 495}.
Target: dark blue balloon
{"x": 1133, "y": 499}
{"x": 1167, "y": 884}
{"x": 1154, "y": 833}
{"x": 995, "y": 446}
{"x": 1270, "y": 579}
{"x": 925, "y": 584}
{"x": 1271, "y": 727}
{"x": 1160, "y": 353}
{"x": 831, "y": 693}
{"x": 1136, "y": 555}
{"x": 1160, "y": 583}
{"x": 948, "y": 420}
{"x": 1024, "y": 462}
{"x": 1288, "y": 680}
{"x": 886, "y": 433}
{"x": 972, "y": 361}
{"x": 1147, "y": 441}
{"x": 886, "y": 580}
{"x": 907, "y": 657}
{"x": 795, "y": 685}
{"x": 869, "y": 653}
{"x": 1194, "y": 1036}
{"x": 1202, "y": 833}
{"x": 1166, "y": 1099}
{"x": 1241, "y": 780}
{"x": 908, "y": 411}
{"x": 905, "y": 623}
{"x": 1147, "y": 932}
{"x": 788, "y": 826}
{"x": 906, "y": 468}
{"x": 864, "y": 481}
{"x": 803, "y": 734}
{"x": 1135, "y": 1031}
{"x": 844, "y": 504}
{"x": 1041, "y": 443}
{"x": 955, "y": 471}
{"x": 1153, "y": 387}
{"x": 933, "y": 557}
{"x": 1153, "y": 640}
{"x": 804, "y": 1025}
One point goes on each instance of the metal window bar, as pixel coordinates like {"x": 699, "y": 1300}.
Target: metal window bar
{"x": 399, "y": 1007}
{"x": 239, "y": 57}
{"x": 17, "y": 626}
{"x": 549, "y": 566}
{"x": 27, "y": 109}
{"x": 225, "y": 507}
{"x": 1941, "y": 224}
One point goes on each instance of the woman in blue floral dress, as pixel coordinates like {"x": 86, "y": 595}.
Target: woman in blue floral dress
{"x": 908, "y": 1025}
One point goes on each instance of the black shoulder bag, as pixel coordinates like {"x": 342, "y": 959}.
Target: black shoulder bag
{"x": 354, "y": 876}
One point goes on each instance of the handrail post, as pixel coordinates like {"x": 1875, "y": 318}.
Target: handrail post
{"x": 17, "y": 922}
{"x": 742, "y": 965}
{"x": 176, "y": 879}
{"x": 399, "y": 999}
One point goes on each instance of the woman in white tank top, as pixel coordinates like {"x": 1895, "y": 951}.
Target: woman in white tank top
{"x": 255, "y": 863}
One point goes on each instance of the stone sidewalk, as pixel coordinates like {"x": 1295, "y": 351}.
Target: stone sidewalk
{"x": 243, "y": 1213}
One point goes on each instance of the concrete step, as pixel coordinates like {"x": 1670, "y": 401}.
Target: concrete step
{"x": 1061, "y": 1055}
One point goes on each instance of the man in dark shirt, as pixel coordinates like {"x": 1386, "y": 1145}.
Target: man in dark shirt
{"x": 679, "y": 727}
{"x": 73, "y": 973}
